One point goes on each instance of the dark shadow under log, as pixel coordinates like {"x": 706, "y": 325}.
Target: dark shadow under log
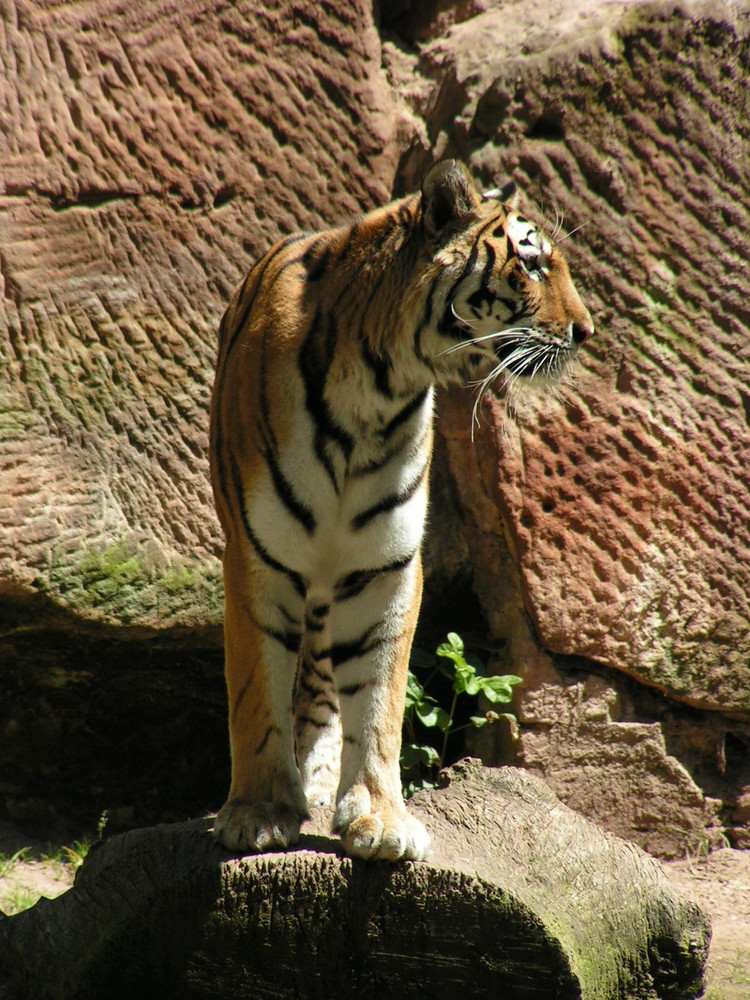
{"x": 522, "y": 898}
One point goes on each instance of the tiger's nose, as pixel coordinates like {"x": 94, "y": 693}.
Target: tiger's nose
{"x": 582, "y": 330}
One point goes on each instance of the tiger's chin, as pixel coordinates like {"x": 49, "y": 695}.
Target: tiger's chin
{"x": 521, "y": 375}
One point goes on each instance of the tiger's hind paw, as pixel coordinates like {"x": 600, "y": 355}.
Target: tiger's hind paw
{"x": 260, "y": 826}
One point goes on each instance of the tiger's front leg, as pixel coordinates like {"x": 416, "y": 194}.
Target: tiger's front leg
{"x": 370, "y": 814}
{"x": 266, "y": 803}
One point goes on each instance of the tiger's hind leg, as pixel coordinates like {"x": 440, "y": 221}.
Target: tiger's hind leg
{"x": 266, "y": 803}
{"x": 371, "y": 676}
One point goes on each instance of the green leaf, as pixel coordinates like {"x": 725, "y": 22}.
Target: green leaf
{"x": 413, "y": 754}
{"x": 414, "y": 691}
{"x": 433, "y": 715}
{"x": 417, "y": 786}
{"x": 483, "y": 720}
{"x": 498, "y": 689}
{"x": 473, "y": 684}
{"x": 453, "y": 649}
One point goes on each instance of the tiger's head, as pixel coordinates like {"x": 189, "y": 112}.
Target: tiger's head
{"x": 504, "y": 305}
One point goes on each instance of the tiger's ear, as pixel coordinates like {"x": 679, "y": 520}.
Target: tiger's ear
{"x": 448, "y": 195}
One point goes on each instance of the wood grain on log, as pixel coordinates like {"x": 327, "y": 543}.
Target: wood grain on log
{"x": 521, "y": 898}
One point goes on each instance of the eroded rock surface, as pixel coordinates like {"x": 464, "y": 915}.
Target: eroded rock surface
{"x": 147, "y": 160}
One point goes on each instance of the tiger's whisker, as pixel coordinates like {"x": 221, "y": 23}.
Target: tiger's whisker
{"x": 497, "y": 335}
{"x": 573, "y": 231}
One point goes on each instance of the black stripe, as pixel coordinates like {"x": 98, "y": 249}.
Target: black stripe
{"x": 289, "y": 640}
{"x": 315, "y": 358}
{"x": 316, "y": 266}
{"x": 294, "y": 577}
{"x": 351, "y": 237}
{"x": 261, "y": 267}
{"x": 261, "y": 746}
{"x": 484, "y": 293}
{"x": 390, "y": 502}
{"x": 404, "y": 414}
{"x": 292, "y": 619}
{"x": 381, "y": 367}
{"x": 342, "y": 652}
{"x": 352, "y": 689}
{"x": 402, "y": 444}
{"x": 309, "y": 721}
{"x": 426, "y": 318}
{"x": 313, "y": 625}
{"x": 284, "y": 489}
{"x": 265, "y": 410}
{"x": 320, "y": 696}
{"x": 285, "y": 492}
{"x": 448, "y": 324}
{"x": 309, "y": 667}
{"x": 354, "y": 583}
{"x": 378, "y": 463}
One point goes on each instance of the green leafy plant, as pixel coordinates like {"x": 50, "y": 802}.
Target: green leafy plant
{"x": 420, "y": 760}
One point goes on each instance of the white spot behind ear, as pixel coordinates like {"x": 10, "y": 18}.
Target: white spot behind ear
{"x": 507, "y": 194}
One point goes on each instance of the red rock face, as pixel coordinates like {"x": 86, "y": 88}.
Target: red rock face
{"x": 627, "y": 501}
{"x": 624, "y": 504}
{"x": 149, "y": 157}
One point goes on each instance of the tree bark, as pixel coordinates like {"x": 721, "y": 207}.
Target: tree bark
{"x": 521, "y": 898}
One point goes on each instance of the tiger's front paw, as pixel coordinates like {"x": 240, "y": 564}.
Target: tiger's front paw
{"x": 379, "y": 835}
{"x": 261, "y": 826}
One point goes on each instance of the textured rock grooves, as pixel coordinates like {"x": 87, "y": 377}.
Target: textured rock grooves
{"x": 645, "y": 489}
{"x": 627, "y": 506}
{"x": 135, "y": 149}
{"x": 151, "y": 151}
{"x": 625, "y": 501}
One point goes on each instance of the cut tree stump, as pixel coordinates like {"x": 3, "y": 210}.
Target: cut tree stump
{"x": 521, "y": 898}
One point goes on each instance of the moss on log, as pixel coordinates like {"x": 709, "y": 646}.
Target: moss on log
{"x": 521, "y": 898}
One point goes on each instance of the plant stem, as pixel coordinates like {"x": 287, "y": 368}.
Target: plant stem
{"x": 448, "y": 728}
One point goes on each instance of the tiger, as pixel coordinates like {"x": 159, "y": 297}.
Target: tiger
{"x": 321, "y": 434}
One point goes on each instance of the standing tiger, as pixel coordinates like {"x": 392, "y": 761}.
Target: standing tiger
{"x": 321, "y": 439}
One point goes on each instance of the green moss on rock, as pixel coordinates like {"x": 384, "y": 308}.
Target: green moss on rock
{"x": 131, "y": 582}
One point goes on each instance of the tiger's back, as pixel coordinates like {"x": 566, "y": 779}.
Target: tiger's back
{"x": 321, "y": 438}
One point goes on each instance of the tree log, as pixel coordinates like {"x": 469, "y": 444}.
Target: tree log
{"x": 521, "y": 898}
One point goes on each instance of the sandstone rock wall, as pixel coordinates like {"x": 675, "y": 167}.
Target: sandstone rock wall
{"x": 149, "y": 154}
{"x": 625, "y": 500}
{"x": 148, "y": 159}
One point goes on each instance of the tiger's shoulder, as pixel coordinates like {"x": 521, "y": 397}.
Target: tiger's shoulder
{"x": 307, "y": 270}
